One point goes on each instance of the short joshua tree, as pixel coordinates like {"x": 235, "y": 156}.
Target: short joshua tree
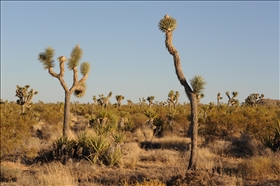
{"x": 173, "y": 98}
{"x": 104, "y": 101}
{"x": 142, "y": 101}
{"x": 254, "y": 99}
{"x": 4, "y": 103}
{"x": 93, "y": 104}
{"x": 78, "y": 87}
{"x": 24, "y": 96}
{"x": 119, "y": 99}
{"x": 219, "y": 98}
{"x": 150, "y": 99}
{"x": 168, "y": 25}
{"x": 231, "y": 100}
{"x": 129, "y": 103}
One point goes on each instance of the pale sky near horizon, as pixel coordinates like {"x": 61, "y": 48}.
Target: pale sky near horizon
{"x": 233, "y": 45}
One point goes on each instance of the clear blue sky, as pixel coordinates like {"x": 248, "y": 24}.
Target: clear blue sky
{"x": 233, "y": 45}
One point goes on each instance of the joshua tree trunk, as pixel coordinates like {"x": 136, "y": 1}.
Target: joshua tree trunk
{"x": 66, "y": 119}
{"x": 191, "y": 95}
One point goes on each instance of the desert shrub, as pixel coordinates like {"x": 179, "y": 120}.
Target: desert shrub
{"x": 131, "y": 152}
{"x": 245, "y": 146}
{"x": 272, "y": 140}
{"x": 15, "y": 128}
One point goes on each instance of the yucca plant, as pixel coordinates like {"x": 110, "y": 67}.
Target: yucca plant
{"x": 98, "y": 145}
{"x": 113, "y": 156}
{"x": 158, "y": 122}
{"x": 78, "y": 87}
{"x": 119, "y": 137}
{"x": 273, "y": 140}
{"x": 64, "y": 146}
{"x": 168, "y": 25}
{"x": 151, "y": 114}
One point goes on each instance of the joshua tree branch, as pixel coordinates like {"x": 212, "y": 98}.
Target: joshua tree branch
{"x": 176, "y": 58}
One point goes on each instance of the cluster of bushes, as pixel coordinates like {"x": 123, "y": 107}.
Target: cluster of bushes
{"x": 111, "y": 125}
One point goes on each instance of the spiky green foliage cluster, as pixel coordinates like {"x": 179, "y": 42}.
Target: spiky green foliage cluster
{"x": 151, "y": 98}
{"x": 198, "y": 84}
{"x": 47, "y": 58}
{"x": 85, "y": 68}
{"x": 167, "y": 24}
{"x": 75, "y": 57}
{"x": 119, "y": 97}
{"x": 80, "y": 91}
{"x": 151, "y": 114}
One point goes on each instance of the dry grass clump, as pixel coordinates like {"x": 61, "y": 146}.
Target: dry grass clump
{"x": 131, "y": 152}
{"x": 167, "y": 142}
{"x": 148, "y": 183}
{"x": 201, "y": 178}
{"x": 168, "y": 157}
{"x": 10, "y": 172}
{"x": 218, "y": 147}
{"x": 261, "y": 167}
{"x": 143, "y": 134}
{"x": 51, "y": 174}
{"x": 206, "y": 159}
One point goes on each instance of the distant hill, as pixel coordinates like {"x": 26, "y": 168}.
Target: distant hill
{"x": 269, "y": 102}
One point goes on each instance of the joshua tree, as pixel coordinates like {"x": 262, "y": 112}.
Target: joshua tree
{"x": 4, "y": 103}
{"x": 231, "y": 100}
{"x": 142, "y": 101}
{"x": 173, "y": 98}
{"x": 199, "y": 97}
{"x": 119, "y": 98}
{"x": 150, "y": 100}
{"x": 129, "y": 103}
{"x": 219, "y": 98}
{"x": 78, "y": 87}
{"x": 93, "y": 104}
{"x": 104, "y": 101}
{"x": 24, "y": 96}
{"x": 168, "y": 25}
{"x": 253, "y": 99}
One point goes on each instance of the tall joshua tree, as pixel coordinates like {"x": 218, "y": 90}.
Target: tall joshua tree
{"x": 24, "y": 96}
{"x": 119, "y": 98}
{"x": 78, "y": 87}
{"x": 168, "y": 25}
